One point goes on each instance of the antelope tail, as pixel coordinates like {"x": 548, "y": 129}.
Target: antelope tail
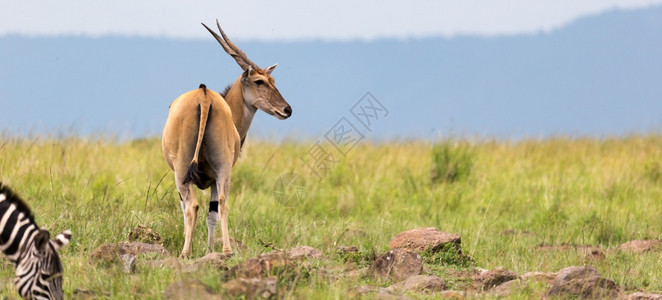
{"x": 203, "y": 113}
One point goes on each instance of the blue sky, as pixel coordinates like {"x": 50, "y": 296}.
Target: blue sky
{"x": 276, "y": 20}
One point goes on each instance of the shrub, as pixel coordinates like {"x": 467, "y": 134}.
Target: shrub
{"x": 451, "y": 161}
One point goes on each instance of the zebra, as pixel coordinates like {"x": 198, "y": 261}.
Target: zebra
{"x": 30, "y": 249}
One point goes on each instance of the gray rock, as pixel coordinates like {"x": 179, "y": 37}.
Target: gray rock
{"x": 589, "y": 287}
{"x": 397, "y": 265}
{"x": 575, "y": 272}
{"x": 490, "y": 279}
{"x": 584, "y": 282}
{"x": 506, "y": 288}
{"x": 422, "y": 239}
{"x": 252, "y": 288}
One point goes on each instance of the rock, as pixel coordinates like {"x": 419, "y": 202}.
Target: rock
{"x": 129, "y": 263}
{"x": 397, "y": 264}
{"x": 641, "y": 246}
{"x": 252, "y": 288}
{"x": 422, "y": 239}
{"x": 583, "y": 282}
{"x": 304, "y": 252}
{"x": 261, "y": 265}
{"x": 419, "y": 283}
{"x": 113, "y": 252}
{"x": 144, "y": 234}
{"x": 506, "y": 288}
{"x": 575, "y": 272}
{"x": 589, "y": 287}
{"x": 490, "y": 279}
{"x": 546, "y": 277}
{"x": 189, "y": 289}
{"x": 644, "y": 296}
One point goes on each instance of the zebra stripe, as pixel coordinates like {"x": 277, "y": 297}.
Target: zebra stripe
{"x": 34, "y": 254}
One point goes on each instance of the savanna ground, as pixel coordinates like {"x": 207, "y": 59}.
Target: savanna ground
{"x": 504, "y": 198}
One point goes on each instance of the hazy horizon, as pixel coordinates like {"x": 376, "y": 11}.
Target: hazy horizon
{"x": 598, "y": 76}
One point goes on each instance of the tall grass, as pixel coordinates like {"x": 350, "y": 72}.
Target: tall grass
{"x": 503, "y": 198}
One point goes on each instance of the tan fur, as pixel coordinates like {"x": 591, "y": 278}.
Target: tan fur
{"x": 203, "y": 134}
{"x": 183, "y": 146}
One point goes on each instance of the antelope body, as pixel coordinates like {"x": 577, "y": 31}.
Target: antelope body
{"x": 203, "y": 135}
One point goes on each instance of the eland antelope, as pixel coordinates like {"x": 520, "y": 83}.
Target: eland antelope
{"x": 203, "y": 135}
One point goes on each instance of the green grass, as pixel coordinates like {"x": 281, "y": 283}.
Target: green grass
{"x": 576, "y": 191}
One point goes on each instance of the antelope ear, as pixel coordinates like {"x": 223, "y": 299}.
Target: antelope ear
{"x": 247, "y": 73}
{"x": 270, "y": 69}
{"x": 41, "y": 240}
{"x": 62, "y": 239}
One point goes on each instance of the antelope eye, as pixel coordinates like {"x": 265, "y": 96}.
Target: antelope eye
{"x": 259, "y": 82}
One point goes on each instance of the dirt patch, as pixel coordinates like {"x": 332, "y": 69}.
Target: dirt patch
{"x": 641, "y": 246}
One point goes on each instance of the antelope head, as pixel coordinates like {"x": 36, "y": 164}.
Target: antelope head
{"x": 257, "y": 86}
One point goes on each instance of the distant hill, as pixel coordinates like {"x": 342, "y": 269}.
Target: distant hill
{"x": 598, "y": 76}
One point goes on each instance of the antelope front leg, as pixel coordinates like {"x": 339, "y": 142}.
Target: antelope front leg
{"x": 223, "y": 207}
